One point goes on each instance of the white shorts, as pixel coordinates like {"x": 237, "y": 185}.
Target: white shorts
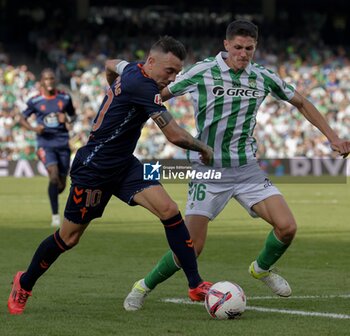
{"x": 248, "y": 184}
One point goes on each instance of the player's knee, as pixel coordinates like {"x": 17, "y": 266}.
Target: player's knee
{"x": 167, "y": 210}
{"x": 72, "y": 240}
{"x": 61, "y": 188}
{"x": 288, "y": 230}
{"x": 54, "y": 180}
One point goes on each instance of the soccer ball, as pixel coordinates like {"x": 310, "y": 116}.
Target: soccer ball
{"x": 225, "y": 300}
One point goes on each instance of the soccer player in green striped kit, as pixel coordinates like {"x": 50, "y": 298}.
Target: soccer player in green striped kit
{"x": 227, "y": 91}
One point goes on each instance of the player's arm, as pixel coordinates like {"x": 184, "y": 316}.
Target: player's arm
{"x": 180, "y": 137}
{"x": 68, "y": 116}
{"x": 166, "y": 94}
{"x": 24, "y": 123}
{"x": 114, "y": 68}
{"x": 311, "y": 113}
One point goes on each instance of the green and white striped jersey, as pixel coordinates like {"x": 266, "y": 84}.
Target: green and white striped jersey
{"x": 226, "y": 104}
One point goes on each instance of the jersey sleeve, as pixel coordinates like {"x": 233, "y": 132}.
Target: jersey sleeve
{"x": 29, "y": 110}
{"x": 120, "y": 67}
{"x": 278, "y": 87}
{"x": 184, "y": 83}
{"x": 70, "y": 110}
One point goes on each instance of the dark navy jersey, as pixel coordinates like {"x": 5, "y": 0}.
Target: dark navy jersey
{"x": 129, "y": 102}
{"x": 45, "y": 109}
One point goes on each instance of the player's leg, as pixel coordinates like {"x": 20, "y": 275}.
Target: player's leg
{"x": 83, "y": 205}
{"x": 157, "y": 200}
{"x": 63, "y": 155}
{"x": 262, "y": 199}
{"x": 275, "y": 211}
{"x": 205, "y": 202}
{"x": 45, "y": 255}
{"x": 49, "y": 158}
{"x": 53, "y": 191}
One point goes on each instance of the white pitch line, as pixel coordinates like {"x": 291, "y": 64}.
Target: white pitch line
{"x": 270, "y": 310}
{"x": 299, "y": 312}
{"x": 301, "y": 297}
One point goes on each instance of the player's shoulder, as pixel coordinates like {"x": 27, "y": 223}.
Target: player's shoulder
{"x": 132, "y": 68}
{"x": 34, "y": 97}
{"x": 261, "y": 69}
{"x": 63, "y": 94}
{"x": 199, "y": 67}
{"x": 134, "y": 77}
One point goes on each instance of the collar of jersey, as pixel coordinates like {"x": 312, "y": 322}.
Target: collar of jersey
{"x": 220, "y": 58}
{"x": 140, "y": 66}
{"x": 48, "y": 97}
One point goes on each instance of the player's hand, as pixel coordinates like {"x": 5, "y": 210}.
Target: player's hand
{"x": 206, "y": 156}
{"x": 39, "y": 129}
{"x": 61, "y": 118}
{"x": 342, "y": 147}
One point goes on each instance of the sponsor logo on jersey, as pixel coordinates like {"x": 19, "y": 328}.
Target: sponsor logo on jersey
{"x": 158, "y": 99}
{"x": 219, "y": 91}
{"x": 51, "y": 120}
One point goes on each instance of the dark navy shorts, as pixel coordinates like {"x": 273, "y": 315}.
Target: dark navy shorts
{"x": 87, "y": 200}
{"x": 55, "y": 156}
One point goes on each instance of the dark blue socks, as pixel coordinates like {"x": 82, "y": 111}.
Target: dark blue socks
{"x": 181, "y": 244}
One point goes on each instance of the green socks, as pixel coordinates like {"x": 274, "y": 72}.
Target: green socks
{"x": 272, "y": 251}
{"x": 165, "y": 268}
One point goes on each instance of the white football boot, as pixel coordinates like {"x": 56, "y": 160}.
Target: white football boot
{"x": 136, "y": 298}
{"x": 275, "y": 282}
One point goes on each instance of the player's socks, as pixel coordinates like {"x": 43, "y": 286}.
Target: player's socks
{"x": 272, "y": 251}
{"x": 47, "y": 252}
{"x": 53, "y": 196}
{"x": 181, "y": 244}
{"x": 165, "y": 268}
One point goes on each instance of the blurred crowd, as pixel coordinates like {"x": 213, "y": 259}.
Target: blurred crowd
{"x": 319, "y": 72}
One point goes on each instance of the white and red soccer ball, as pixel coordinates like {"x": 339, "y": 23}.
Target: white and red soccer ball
{"x": 225, "y": 300}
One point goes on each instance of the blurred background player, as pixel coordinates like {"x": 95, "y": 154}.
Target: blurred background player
{"x": 106, "y": 166}
{"x": 52, "y": 109}
{"x": 227, "y": 91}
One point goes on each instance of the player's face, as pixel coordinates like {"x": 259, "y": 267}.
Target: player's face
{"x": 48, "y": 82}
{"x": 163, "y": 68}
{"x": 240, "y": 51}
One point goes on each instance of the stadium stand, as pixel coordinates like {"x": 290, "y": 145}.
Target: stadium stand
{"x": 320, "y": 71}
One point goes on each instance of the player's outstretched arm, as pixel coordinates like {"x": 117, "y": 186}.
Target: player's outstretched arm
{"x": 311, "y": 113}
{"x": 180, "y": 137}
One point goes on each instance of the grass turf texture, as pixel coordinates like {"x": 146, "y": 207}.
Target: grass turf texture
{"x": 83, "y": 292}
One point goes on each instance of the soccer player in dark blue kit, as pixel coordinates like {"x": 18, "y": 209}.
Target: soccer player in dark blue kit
{"x": 106, "y": 166}
{"x": 52, "y": 109}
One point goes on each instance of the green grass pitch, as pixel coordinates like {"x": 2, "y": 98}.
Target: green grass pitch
{"x": 83, "y": 292}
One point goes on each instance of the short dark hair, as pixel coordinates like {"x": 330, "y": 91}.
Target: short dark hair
{"x": 169, "y": 44}
{"x": 241, "y": 28}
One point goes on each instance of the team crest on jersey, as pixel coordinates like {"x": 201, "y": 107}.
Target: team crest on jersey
{"x": 158, "y": 99}
{"x": 252, "y": 84}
